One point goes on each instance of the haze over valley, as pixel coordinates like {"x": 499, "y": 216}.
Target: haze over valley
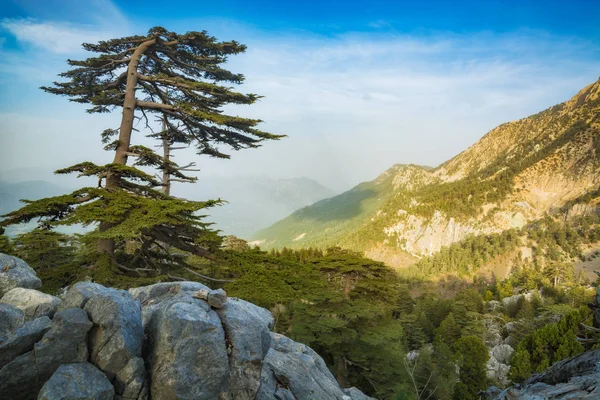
{"x": 266, "y": 200}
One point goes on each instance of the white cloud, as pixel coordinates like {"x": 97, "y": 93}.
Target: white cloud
{"x": 355, "y": 104}
{"x": 61, "y": 26}
{"x": 53, "y": 37}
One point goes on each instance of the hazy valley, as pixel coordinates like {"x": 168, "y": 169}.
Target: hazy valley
{"x": 521, "y": 171}
{"x": 167, "y": 259}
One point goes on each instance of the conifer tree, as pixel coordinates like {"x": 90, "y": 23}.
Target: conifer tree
{"x": 44, "y": 248}
{"x": 179, "y": 79}
{"x": 473, "y": 356}
{"x": 5, "y": 245}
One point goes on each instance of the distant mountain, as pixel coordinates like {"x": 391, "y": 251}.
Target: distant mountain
{"x": 12, "y": 192}
{"x": 517, "y": 173}
{"x": 253, "y": 202}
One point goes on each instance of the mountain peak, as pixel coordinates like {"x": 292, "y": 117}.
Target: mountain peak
{"x": 588, "y": 94}
{"x": 515, "y": 174}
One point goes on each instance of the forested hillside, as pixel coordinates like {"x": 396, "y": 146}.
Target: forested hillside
{"x": 393, "y": 336}
{"x": 424, "y": 283}
{"x": 516, "y": 174}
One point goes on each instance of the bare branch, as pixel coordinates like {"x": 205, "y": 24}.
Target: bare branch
{"x": 182, "y": 180}
{"x": 155, "y": 106}
{"x": 589, "y": 328}
{"x": 208, "y": 277}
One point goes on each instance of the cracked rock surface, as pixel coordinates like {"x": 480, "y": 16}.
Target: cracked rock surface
{"x": 77, "y": 381}
{"x": 167, "y": 341}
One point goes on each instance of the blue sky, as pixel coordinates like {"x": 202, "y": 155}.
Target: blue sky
{"x": 357, "y": 86}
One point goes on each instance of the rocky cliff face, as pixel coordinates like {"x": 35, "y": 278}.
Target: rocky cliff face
{"x": 574, "y": 378}
{"x": 164, "y": 341}
{"x": 515, "y": 174}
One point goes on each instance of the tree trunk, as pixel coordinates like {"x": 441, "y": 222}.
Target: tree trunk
{"x": 347, "y": 285}
{"x": 341, "y": 373}
{"x": 166, "y": 178}
{"x": 112, "y": 182}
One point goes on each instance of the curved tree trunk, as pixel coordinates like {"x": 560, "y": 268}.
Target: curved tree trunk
{"x": 112, "y": 182}
{"x": 166, "y": 177}
{"x": 341, "y": 373}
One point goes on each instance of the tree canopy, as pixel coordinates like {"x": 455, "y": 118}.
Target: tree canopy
{"x": 179, "y": 79}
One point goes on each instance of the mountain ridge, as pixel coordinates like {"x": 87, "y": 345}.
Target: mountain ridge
{"x": 516, "y": 173}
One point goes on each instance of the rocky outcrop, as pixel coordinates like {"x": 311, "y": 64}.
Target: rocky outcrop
{"x": 293, "y": 370}
{"x": 23, "y": 339}
{"x": 165, "y": 341}
{"x": 247, "y": 329}
{"x": 574, "y": 378}
{"x": 14, "y": 273}
{"x": 502, "y": 353}
{"x": 116, "y": 338}
{"x": 65, "y": 342}
{"x": 77, "y": 381}
{"x": 10, "y": 319}
{"x": 34, "y": 304}
{"x": 186, "y": 350}
{"x": 498, "y": 364}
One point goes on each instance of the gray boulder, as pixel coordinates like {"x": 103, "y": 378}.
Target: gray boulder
{"x": 11, "y": 318}
{"x": 356, "y": 394}
{"x": 33, "y": 303}
{"x": 79, "y": 294}
{"x": 284, "y": 394}
{"x": 159, "y": 291}
{"x": 247, "y": 329}
{"x": 151, "y": 296}
{"x": 186, "y": 351}
{"x": 131, "y": 381}
{"x": 65, "y": 342}
{"x": 116, "y": 338}
{"x": 497, "y": 372}
{"x": 493, "y": 332}
{"x": 79, "y": 381}
{"x": 15, "y": 272}
{"x": 22, "y": 339}
{"x": 297, "y": 368}
{"x": 217, "y": 298}
{"x": 502, "y": 353}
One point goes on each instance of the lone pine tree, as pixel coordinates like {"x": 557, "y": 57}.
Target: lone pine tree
{"x": 179, "y": 79}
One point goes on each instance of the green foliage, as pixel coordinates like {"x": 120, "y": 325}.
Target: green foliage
{"x": 45, "y": 248}
{"x": 448, "y": 332}
{"x": 549, "y": 344}
{"x": 473, "y": 356}
{"x": 180, "y": 72}
{"x": 51, "y": 254}
{"x": 146, "y": 217}
{"x": 468, "y": 255}
{"x": 337, "y": 302}
{"x": 6, "y": 246}
{"x": 520, "y": 368}
{"x": 179, "y": 79}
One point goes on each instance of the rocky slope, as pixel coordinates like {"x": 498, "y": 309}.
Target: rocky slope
{"x": 574, "y": 378}
{"x": 517, "y": 173}
{"x": 164, "y": 341}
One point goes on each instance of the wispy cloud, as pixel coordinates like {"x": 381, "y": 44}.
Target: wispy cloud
{"x": 53, "y": 37}
{"x": 355, "y": 104}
